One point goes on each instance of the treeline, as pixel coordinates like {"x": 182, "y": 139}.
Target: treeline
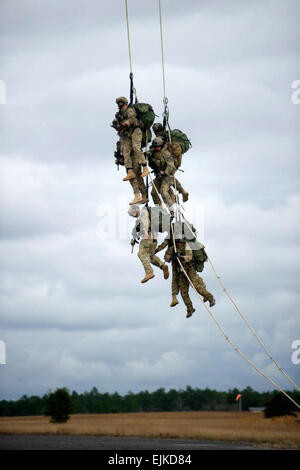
{"x": 159, "y": 400}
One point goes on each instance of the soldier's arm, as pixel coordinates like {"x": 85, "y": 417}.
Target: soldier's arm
{"x": 145, "y": 222}
{"x": 116, "y": 125}
{"x": 149, "y": 156}
{"x": 131, "y": 118}
{"x": 188, "y": 253}
{"x": 162, "y": 246}
{"x": 169, "y": 254}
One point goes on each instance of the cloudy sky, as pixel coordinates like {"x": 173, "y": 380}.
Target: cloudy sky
{"x": 73, "y": 310}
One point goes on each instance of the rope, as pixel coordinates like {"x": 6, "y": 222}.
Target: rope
{"x": 165, "y": 100}
{"x": 244, "y": 318}
{"x": 162, "y": 54}
{"x": 128, "y": 37}
{"x": 147, "y": 179}
{"x": 218, "y": 324}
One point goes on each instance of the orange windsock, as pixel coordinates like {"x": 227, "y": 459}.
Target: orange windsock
{"x": 238, "y": 397}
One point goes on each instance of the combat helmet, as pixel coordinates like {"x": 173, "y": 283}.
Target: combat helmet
{"x": 157, "y": 142}
{"x": 157, "y": 127}
{"x": 122, "y": 99}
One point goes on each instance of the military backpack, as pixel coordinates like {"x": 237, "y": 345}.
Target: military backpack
{"x": 187, "y": 232}
{"x": 145, "y": 114}
{"x": 181, "y": 138}
{"x": 199, "y": 255}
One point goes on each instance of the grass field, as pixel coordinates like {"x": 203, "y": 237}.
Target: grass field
{"x": 249, "y": 427}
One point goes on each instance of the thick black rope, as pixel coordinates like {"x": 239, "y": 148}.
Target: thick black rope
{"x": 131, "y": 88}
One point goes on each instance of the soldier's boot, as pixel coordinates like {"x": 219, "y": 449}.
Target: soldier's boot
{"x": 185, "y": 196}
{"x": 147, "y": 277}
{"x": 144, "y": 199}
{"x": 210, "y": 299}
{"x": 189, "y": 312}
{"x": 136, "y": 200}
{"x": 130, "y": 175}
{"x": 146, "y": 171}
{"x": 174, "y": 301}
{"x": 165, "y": 271}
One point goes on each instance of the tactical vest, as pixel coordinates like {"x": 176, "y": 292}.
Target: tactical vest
{"x": 121, "y": 116}
{"x": 187, "y": 232}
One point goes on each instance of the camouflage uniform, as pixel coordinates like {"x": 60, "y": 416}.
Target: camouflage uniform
{"x": 180, "y": 283}
{"x": 130, "y": 136}
{"x": 148, "y": 242}
{"x": 175, "y": 150}
{"x": 163, "y": 165}
{"x": 128, "y": 127}
{"x": 137, "y": 183}
{"x": 147, "y": 255}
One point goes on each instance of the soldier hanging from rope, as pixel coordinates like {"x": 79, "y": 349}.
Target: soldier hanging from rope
{"x": 148, "y": 233}
{"x": 162, "y": 163}
{"x": 128, "y": 127}
{"x": 180, "y": 283}
{"x": 176, "y": 150}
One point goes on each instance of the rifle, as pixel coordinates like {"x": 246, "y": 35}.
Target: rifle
{"x": 119, "y": 159}
{"x": 176, "y": 255}
{"x": 133, "y": 242}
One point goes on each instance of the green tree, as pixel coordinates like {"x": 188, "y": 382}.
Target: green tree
{"x": 59, "y": 406}
{"x": 279, "y": 405}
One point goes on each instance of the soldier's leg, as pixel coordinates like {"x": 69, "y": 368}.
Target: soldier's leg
{"x": 138, "y": 198}
{"x": 201, "y": 287}
{"x": 139, "y": 179}
{"x": 142, "y": 188}
{"x": 175, "y": 280}
{"x": 180, "y": 189}
{"x": 178, "y": 185}
{"x": 184, "y": 291}
{"x": 135, "y": 186}
{"x": 144, "y": 255}
{"x": 126, "y": 149}
{"x": 172, "y": 195}
{"x": 156, "y": 189}
{"x": 156, "y": 261}
{"x": 136, "y": 139}
{"x": 175, "y": 285}
{"x": 166, "y": 183}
